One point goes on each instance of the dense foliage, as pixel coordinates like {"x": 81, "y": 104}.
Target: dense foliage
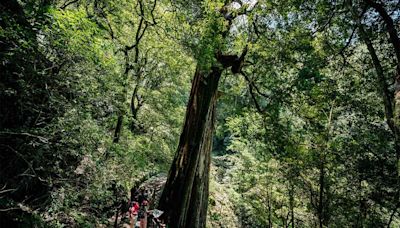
{"x": 93, "y": 95}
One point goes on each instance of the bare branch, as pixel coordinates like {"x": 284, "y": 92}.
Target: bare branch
{"x": 348, "y": 41}
{"x": 7, "y": 190}
{"x": 22, "y": 157}
{"x": 41, "y": 138}
{"x": 253, "y": 96}
{"x": 67, "y": 3}
{"x": 10, "y": 209}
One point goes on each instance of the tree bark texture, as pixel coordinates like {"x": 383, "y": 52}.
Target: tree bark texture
{"x": 185, "y": 196}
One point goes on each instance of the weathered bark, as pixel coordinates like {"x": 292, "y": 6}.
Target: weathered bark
{"x": 185, "y": 195}
{"x": 199, "y": 200}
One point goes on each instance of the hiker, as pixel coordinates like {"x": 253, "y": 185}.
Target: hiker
{"x": 133, "y": 207}
{"x": 133, "y": 213}
{"x": 143, "y": 203}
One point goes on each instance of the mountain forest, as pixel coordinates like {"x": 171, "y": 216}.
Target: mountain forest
{"x": 193, "y": 114}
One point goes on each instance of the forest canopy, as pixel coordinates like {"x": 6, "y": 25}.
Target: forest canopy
{"x": 251, "y": 113}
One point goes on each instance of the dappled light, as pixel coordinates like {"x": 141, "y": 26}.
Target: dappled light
{"x": 193, "y": 114}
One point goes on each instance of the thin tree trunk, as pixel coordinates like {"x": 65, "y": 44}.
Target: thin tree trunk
{"x": 117, "y": 132}
{"x": 118, "y": 127}
{"x": 393, "y": 214}
{"x": 291, "y": 202}
{"x": 292, "y": 217}
{"x": 269, "y": 209}
{"x": 361, "y": 205}
{"x": 117, "y": 209}
{"x": 387, "y": 97}
{"x": 392, "y": 110}
{"x": 321, "y": 195}
{"x": 141, "y": 29}
{"x": 134, "y": 109}
{"x": 116, "y": 219}
{"x": 390, "y": 27}
{"x": 135, "y": 124}
{"x": 395, "y": 40}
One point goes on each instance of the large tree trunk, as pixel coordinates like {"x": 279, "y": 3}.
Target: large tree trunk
{"x": 197, "y": 213}
{"x": 185, "y": 196}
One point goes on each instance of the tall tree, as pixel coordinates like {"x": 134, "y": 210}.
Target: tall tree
{"x": 185, "y": 196}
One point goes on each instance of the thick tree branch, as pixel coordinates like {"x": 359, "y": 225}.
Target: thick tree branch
{"x": 393, "y": 213}
{"x": 41, "y": 138}
{"x": 341, "y": 52}
{"x": 253, "y": 95}
{"x": 387, "y": 98}
{"x": 390, "y": 27}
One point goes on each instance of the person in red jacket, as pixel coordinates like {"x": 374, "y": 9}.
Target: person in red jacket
{"x": 133, "y": 207}
{"x": 133, "y": 212}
